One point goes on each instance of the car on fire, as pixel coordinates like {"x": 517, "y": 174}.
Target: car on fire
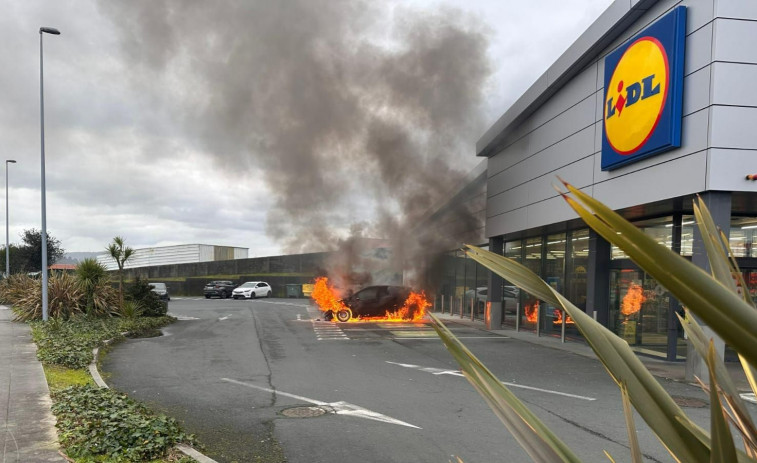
{"x": 251, "y": 290}
{"x": 372, "y": 301}
{"x": 220, "y": 288}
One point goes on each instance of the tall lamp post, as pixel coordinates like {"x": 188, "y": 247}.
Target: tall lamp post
{"x": 53, "y": 31}
{"x": 7, "y": 238}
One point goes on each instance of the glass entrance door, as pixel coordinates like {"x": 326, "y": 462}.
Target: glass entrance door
{"x": 639, "y": 309}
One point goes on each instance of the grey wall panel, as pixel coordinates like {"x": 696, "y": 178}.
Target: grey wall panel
{"x": 579, "y": 174}
{"x": 507, "y": 223}
{"x": 514, "y": 154}
{"x": 567, "y": 151}
{"x": 679, "y": 177}
{"x": 721, "y": 174}
{"x": 736, "y": 9}
{"x": 734, "y": 41}
{"x": 734, "y": 83}
{"x": 698, "y": 49}
{"x": 566, "y": 124}
{"x": 694, "y": 139}
{"x": 734, "y": 127}
{"x": 509, "y": 200}
{"x": 548, "y": 212}
{"x": 578, "y": 89}
{"x": 696, "y": 91}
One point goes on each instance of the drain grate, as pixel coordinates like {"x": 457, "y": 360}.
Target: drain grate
{"x": 303, "y": 412}
{"x": 690, "y": 402}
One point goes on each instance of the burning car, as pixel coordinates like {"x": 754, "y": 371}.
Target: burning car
{"x": 383, "y": 302}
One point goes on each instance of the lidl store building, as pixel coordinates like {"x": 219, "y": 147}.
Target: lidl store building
{"x": 654, "y": 104}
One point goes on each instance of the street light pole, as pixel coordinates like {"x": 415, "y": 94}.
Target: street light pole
{"x": 53, "y": 31}
{"x": 7, "y": 238}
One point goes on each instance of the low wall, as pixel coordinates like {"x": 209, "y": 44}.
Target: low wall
{"x": 278, "y": 271}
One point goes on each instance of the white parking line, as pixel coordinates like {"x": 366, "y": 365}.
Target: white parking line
{"x": 338, "y": 408}
{"x": 439, "y": 371}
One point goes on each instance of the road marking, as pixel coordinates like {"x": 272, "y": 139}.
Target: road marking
{"x": 494, "y": 337}
{"x": 181, "y": 317}
{"x": 439, "y": 371}
{"x": 284, "y": 303}
{"x": 327, "y": 331}
{"x": 224, "y": 318}
{"x": 338, "y": 408}
{"x": 749, "y": 396}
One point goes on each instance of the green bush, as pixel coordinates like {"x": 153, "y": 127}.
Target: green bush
{"x": 99, "y": 297}
{"x": 24, "y": 294}
{"x": 140, "y": 292}
{"x": 96, "y": 423}
{"x": 70, "y": 343}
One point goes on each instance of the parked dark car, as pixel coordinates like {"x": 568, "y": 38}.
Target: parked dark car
{"x": 372, "y": 301}
{"x": 219, "y": 288}
{"x": 161, "y": 290}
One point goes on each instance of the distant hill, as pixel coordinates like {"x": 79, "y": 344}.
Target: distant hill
{"x": 76, "y": 257}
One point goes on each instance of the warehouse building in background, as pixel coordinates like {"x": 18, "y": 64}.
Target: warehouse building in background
{"x": 179, "y": 254}
{"x": 654, "y": 104}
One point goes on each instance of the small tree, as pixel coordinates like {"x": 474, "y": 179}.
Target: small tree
{"x": 120, "y": 253}
{"x": 30, "y": 252}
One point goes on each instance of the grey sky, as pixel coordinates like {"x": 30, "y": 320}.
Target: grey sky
{"x": 273, "y": 125}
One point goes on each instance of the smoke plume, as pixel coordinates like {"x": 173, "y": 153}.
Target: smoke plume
{"x": 358, "y": 116}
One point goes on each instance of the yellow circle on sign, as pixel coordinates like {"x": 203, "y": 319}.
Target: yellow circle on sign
{"x": 636, "y": 94}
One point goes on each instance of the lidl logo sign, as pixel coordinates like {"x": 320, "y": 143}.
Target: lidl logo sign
{"x": 643, "y": 93}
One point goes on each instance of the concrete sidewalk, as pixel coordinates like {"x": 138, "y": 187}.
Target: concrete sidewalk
{"x": 27, "y": 427}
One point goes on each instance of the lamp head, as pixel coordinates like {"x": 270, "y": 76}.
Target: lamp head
{"x": 49, "y": 30}
{"x": 10, "y": 160}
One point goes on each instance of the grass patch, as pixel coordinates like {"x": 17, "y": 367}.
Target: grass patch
{"x": 59, "y": 377}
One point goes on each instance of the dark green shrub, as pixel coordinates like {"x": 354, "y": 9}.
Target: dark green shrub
{"x": 96, "y": 423}
{"x": 69, "y": 343}
{"x": 140, "y": 292}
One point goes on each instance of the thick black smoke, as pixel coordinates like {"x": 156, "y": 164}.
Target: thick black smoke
{"x": 359, "y": 117}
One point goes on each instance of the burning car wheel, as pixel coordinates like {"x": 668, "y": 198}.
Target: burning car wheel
{"x": 344, "y": 315}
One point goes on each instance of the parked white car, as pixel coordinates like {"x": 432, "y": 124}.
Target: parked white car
{"x": 251, "y": 290}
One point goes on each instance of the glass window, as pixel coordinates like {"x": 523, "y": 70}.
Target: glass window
{"x": 554, "y": 274}
{"x": 510, "y": 293}
{"x": 743, "y": 236}
{"x": 661, "y": 229}
{"x": 530, "y": 304}
{"x": 687, "y": 235}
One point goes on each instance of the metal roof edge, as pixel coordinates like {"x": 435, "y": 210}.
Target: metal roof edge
{"x": 602, "y": 32}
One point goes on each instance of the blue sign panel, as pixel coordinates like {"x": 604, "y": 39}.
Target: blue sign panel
{"x": 643, "y": 96}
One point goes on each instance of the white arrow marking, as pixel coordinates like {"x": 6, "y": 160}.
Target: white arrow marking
{"x": 439, "y": 371}
{"x": 224, "y": 318}
{"x": 749, "y": 397}
{"x": 181, "y": 317}
{"x": 338, "y": 408}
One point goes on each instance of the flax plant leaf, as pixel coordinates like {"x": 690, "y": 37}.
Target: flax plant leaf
{"x": 537, "y": 439}
{"x": 652, "y": 402}
{"x": 633, "y": 438}
{"x": 723, "y": 449}
{"x": 724, "y": 311}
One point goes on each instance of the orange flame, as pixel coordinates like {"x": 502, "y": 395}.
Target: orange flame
{"x": 326, "y": 296}
{"x": 558, "y": 318}
{"x": 531, "y": 314}
{"x": 413, "y": 309}
{"x": 632, "y": 300}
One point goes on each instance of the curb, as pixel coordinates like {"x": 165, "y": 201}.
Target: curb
{"x": 183, "y": 448}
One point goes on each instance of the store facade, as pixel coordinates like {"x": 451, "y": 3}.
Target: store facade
{"x": 653, "y": 105}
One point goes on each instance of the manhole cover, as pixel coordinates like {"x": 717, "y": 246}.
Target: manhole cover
{"x": 303, "y": 412}
{"x": 690, "y": 402}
